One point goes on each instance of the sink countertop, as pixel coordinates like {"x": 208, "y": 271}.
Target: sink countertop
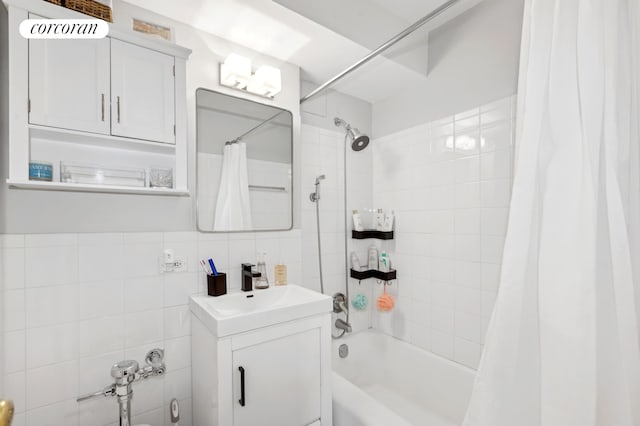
{"x": 241, "y": 311}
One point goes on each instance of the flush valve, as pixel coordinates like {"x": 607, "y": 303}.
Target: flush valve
{"x": 125, "y": 373}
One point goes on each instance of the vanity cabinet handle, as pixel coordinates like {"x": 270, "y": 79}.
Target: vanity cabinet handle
{"x": 118, "y": 108}
{"x": 102, "y": 105}
{"x": 242, "y": 399}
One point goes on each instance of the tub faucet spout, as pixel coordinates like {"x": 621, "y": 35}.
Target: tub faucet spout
{"x": 343, "y": 325}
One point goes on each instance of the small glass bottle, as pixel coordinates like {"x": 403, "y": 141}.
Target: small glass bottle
{"x": 263, "y": 280}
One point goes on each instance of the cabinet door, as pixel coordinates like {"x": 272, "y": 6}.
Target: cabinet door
{"x": 69, "y": 84}
{"x": 281, "y": 381}
{"x": 142, "y": 93}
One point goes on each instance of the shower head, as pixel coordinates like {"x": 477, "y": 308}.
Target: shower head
{"x": 319, "y": 178}
{"x": 359, "y": 140}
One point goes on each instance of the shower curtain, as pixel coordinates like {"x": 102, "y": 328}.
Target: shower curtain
{"x": 233, "y": 208}
{"x": 562, "y": 345}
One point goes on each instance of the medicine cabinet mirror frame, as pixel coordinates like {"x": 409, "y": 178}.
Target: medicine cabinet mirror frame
{"x": 267, "y": 132}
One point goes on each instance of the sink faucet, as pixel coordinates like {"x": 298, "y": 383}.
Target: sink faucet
{"x": 248, "y": 275}
{"x": 343, "y": 325}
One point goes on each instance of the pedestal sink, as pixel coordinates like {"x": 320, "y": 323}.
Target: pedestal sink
{"x": 243, "y": 311}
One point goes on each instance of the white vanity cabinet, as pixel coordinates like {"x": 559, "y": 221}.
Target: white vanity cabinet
{"x": 285, "y": 370}
{"x": 112, "y": 109}
{"x": 278, "y": 373}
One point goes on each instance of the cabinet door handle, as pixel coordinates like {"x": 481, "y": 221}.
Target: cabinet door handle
{"x": 242, "y": 399}
{"x": 118, "y": 107}
{"x": 102, "y": 106}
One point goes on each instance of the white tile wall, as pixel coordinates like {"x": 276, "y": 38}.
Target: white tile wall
{"x": 74, "y": 304}
{"x": 449, "y": 183}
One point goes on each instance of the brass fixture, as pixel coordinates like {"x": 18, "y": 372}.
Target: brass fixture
{"x": 6, "y": 412}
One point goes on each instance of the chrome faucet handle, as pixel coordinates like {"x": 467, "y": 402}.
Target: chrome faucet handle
{"x": 339, "y": 303}
{"x": 155, "y": 364}
{"x": 155, "y": 358}
{"x": 107, "y": 391}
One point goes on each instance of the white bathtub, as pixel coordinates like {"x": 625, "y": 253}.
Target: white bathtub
{"x": 384, "y": 381}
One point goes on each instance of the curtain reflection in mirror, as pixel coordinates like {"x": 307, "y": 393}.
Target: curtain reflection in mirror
{"x": 233, "y": 208}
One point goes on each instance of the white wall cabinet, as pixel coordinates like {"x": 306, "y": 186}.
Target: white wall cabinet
{"x": 69, "y": 84}
{"x": 142, "y": 93}
{"x": 117, "y": 103}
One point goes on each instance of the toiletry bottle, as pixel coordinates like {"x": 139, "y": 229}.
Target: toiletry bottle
{"x": 280, "y": 274}
{"x": 384, "y": 262}
{"x": 263, "y": 280}
{"x": 379, "y": 220}
{"x": 355, "y": 262}
{"x": 388, "y": 222}
{"x": 373, "y": 257}
{"x": 357, "y": 221}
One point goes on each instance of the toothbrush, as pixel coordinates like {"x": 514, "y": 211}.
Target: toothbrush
{"x": 205, "y": 267}
{"x": 213, "y": 267}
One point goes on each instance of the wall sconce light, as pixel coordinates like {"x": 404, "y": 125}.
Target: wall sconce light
{"x": 267, "y": 81}
{"x": 235, "y": 72}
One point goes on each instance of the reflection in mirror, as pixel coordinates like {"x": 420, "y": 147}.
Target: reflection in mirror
{"x": 244, "y": 163}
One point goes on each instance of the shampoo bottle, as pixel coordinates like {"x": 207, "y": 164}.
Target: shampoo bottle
{"x": 379, "y": 219}
{"x": 355, "y": 262}
{"x": 384, "y": 262}
{"x": 373, "y": 257}
{"x": 357, "y": 221}
{"x": 387, "y": 223}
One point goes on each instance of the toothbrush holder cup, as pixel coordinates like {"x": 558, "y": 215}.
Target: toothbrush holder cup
{"x": 217, "y": 284}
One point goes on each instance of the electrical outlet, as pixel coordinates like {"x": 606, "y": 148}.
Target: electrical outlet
{"x": 180, "y": 265}
{"x": 169, "y": 262}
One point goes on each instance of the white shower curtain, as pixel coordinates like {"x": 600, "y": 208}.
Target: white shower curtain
{"x": 562, "y": 345}
{"x": 233, "y": 208}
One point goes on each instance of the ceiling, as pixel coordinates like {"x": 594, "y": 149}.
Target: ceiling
{"x": 323, "y": 37}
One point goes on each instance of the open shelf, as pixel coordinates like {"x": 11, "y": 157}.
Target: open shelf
{"x": 380, "y": 235}
{"x": 373, "y": 273}
{"x": 63, "y": 186}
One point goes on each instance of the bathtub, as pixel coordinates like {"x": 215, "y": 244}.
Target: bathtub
{"x": 384, "y": 381}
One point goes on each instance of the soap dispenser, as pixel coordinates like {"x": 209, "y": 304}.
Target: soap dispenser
{"x": 263, "y": 281}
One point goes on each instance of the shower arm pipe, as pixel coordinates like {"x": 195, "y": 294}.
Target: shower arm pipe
{"x": 395, "y": 39}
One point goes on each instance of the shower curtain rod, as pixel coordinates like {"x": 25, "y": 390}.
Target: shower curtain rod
{"x": 239, "y": 138}
{"x": 419, "y": 23}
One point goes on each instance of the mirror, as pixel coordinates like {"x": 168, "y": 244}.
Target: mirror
{"x": 244, "y": 164}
